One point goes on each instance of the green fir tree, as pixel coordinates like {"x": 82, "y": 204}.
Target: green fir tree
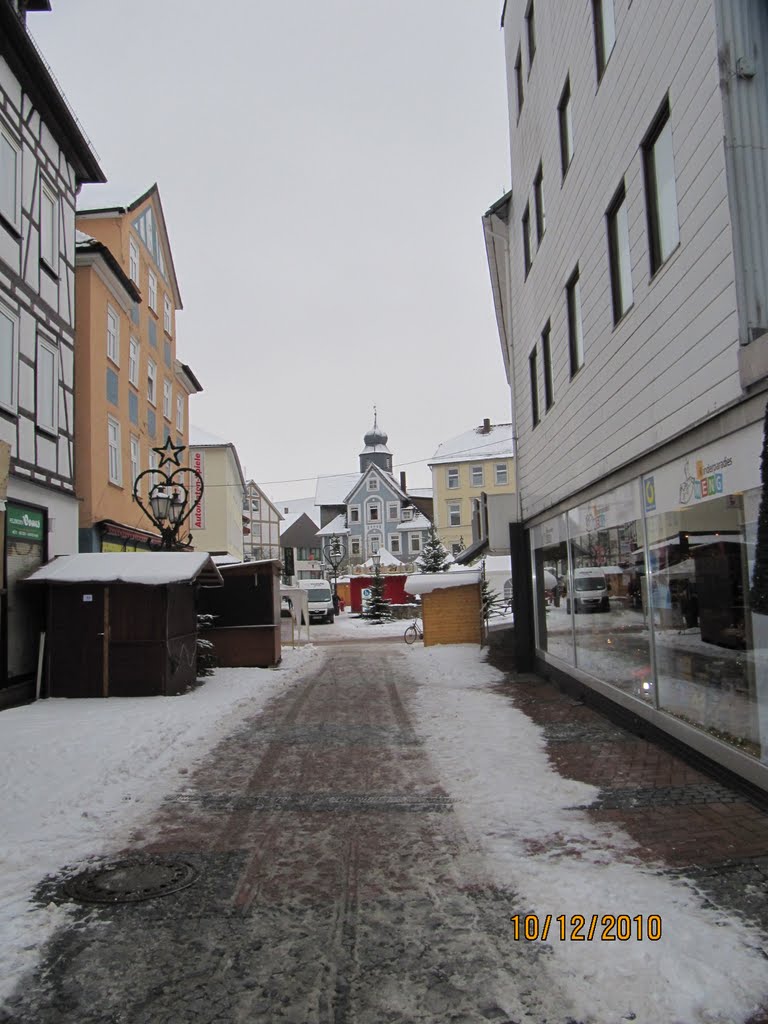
{"x": 434, "y": 557}
{"x": 377, "y": 610}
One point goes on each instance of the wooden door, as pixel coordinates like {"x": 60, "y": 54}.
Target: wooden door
{"x": 78, "y": 641}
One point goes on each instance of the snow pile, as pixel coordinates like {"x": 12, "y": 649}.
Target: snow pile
{"x": 79, "y": 774}
{"x": 707, "y": 967}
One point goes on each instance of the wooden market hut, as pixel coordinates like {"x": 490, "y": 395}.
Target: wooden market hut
{"x": 122, "y": 624}
{"x": 246, "y": 630}
{"x": 451, "y": 605}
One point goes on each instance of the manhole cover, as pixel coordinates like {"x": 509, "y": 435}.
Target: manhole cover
{"x": 131, "y": 881}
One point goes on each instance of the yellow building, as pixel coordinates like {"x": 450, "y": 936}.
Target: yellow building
{"x": 477, "y": 463}
{"x": 217, "y": 522}
{"x": 131, "y": 390}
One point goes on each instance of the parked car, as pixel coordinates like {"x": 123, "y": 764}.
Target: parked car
{"x": 590, "y": 591}
{"x": 319, "y": 599}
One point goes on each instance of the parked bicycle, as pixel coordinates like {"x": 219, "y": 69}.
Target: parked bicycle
{"x": 414, "y": 632}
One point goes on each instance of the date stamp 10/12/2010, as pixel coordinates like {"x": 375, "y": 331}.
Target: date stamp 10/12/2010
{"x": 594, "y": 928}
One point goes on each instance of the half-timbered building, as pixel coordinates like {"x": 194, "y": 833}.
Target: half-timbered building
{"x": 44, "y": 159}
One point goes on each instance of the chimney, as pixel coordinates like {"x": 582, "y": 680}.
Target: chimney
{"x": 486, "y": 428}
{"x": 402, "y": 482}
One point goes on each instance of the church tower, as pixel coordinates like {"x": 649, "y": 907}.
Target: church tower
{"x": 376, "y": 450}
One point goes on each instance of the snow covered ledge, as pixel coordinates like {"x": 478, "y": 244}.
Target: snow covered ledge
{"x": 427, "y": 582}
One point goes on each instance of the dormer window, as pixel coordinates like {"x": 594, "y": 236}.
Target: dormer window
{"x": 407, "y": 514}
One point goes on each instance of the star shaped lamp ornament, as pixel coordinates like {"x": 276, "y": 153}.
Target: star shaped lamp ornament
{"x": 169, "y": 452}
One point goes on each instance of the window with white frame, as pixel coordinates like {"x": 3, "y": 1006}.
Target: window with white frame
{"x": 619, "y": 258}
{"x": 10, "y": 179}
{"x": 115, "y": 459}
{"x": 152, "y": 297}
{"x": 373, "y": 483}
{"x": 454, "y": 513}
{"x": 660, "y": 190}
{"x": 374, "y": 543}
{"x": 501, "y": 475}
{"x": 113, "y": 335}
{"x": 452, "y": 475}
{"x": 152, "y": 382}
{"x": 575, "y": 334}
{"x": 394, "y": 544}
{"x": 354, "y": 513}
{"x": 179, "y": 413}
{"x": 133, "y": 261}
{"x": 374, "y": 512}
{"x": 415, "y": 542}
{"x": 153, "y": 459}
{"x": 393, "y": 511}
{"x": 47, "y": 375}
{"x": 9, "y": 341}
{"x": 407, "y": 514}
{"x": 135, "y": 457}
{"x": 166, "y": 314}
{"x": 49, "y": 227}
{"x": 354, "y": 546}
{"x": 133, "y": 361}
{"x": 605, "y": 33}
{"x": 476, "y": 476}
{"x": 167, "y": 399}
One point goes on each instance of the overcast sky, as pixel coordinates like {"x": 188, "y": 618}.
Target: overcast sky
{"x": 323, "y": 167}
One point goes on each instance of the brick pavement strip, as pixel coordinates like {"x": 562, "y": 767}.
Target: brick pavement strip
{"x": 336, "y": 886}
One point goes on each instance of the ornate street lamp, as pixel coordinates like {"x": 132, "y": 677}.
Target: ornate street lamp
{"x": 169, "y": 496}
{"x": 334, "y": 552}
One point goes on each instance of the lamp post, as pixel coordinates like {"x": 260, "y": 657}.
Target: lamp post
{"x": 169, "y": 496}
{"x": 334, "y": 553}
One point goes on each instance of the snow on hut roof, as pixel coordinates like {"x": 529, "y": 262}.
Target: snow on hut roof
{"x": 387, "y": 558}
{"x": 425, "y": 583}
{"x": 475, "y": 444}
{"x": 151, "y": 568}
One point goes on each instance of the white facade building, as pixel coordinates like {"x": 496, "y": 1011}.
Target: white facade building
{"x": 44, "y": 158}
{"x": 629, "y": 266}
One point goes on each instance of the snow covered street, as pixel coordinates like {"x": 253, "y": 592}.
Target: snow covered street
{"x": 375, "y": 827}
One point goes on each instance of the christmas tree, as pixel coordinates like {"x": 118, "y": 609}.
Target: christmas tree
{"x": 434, "y": 557}
{"x": 377, "y": 609}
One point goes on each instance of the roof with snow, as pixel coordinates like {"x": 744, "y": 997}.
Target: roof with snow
{"x": 151, "y": 568}
{"x": 426, "y": 582}
{"x": 201, "y": 438}
{"x": 295, "y": 506}
{"x": 332, "y": 490}
{"x": 475, "y": 444}
{"x": 419, "y": 522}
{"x": 335, "y": 528}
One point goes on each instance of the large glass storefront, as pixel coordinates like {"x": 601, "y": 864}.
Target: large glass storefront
{"x": 646, "y": 588}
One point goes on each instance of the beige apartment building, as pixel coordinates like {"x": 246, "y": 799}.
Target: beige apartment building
{"x": 466, "y": 470}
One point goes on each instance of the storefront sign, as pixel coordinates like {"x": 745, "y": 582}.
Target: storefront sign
{"x": 198, "y": 464}
{"x": 24, "y": 523}
{"x": 731, "y": 466}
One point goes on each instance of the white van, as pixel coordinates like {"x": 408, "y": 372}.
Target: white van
{"x": 590, "y": 591}
{"x": 319, "y": 599}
